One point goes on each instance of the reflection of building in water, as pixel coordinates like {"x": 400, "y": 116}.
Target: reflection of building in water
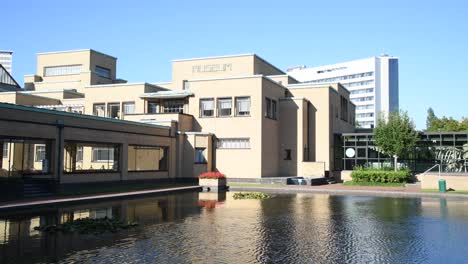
{"x": 17, "y": 232}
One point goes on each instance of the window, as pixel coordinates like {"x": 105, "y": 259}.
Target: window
{"x": 224, "y": 106}
{"x": 200, "y": 155}
{"x": 88, "y": 157}
{"x": 5, "y": 149}
{"x": 174, "y": 106}
{"x": 62, "y": 70}
{"x": 242, "y": 106}
{"x": 186, "y": 85}
{"x": 99, "y": 110}
{"x": 147, "y": 158}
{"x": 128, "y": 107}
{"x": 271, "y": 108}
{"x": 344, "y": 109}
{"x": 268, "y": 107}
{"x": 103, "y": 72}
{"x": 79, "y": 154}
{"x": 113, "y": 110}
{"x": 153, "y": 108}
{"x": 40, "y": 153}
{"x": 233, "y": 143}
{"x": 206, "y": 107}
{"x": 287, "y": 154}
{"x": 103, "y": 154}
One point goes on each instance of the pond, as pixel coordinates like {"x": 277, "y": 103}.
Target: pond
{"x": 192, "y": 227}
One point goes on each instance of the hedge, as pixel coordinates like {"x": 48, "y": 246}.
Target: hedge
{"x": 383, "y": 176}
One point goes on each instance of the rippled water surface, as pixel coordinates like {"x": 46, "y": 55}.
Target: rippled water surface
{"x": 194, "y": 227}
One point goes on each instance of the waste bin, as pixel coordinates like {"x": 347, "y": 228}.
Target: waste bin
{"x": 442, "y": 186}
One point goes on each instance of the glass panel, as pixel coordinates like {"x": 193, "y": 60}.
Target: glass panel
{"x": 24, "y": 157}
{"x": 242, "y": 106}
{"x": 129, "y": 108}
{"x": 88, "y": 157}
{"x": 113, "y": 110}
{"x": 147, "y": 158}
{"x": 99, "y": 110}
{"x": 224, "y": 107}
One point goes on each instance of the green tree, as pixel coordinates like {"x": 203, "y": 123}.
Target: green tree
{"x": 431, "y": 118}
{"x": 396, "y": 135}
{"x": 444, "y": 124}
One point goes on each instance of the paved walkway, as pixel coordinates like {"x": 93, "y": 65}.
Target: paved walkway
{"x": 55, "y": 200}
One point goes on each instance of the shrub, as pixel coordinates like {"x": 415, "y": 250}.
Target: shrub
{"x": 251, "y": 195}
{"x": 212, "y": 175}
{"x": 382, "y": 176}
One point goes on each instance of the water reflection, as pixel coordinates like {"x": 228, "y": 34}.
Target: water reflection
{"x": 196, "y": 227}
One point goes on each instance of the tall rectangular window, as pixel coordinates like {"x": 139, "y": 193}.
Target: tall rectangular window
{"x": 128, "y": 107}
{"x": 200, "y": 155}
{"x": 99, "y": 110}
{"x": 344, "y": 109}
{"x": 273, "y": 109}
{"x": 62, "y": 70}
{"x": 103, "y": 72}
{"x": 224, "y": 106}
{"x": 206, "y": 107}
{"x": 113, "y": 110}
{"x": 268, "y": 107}
{"x": 242, "y": 106}
{"x": 153, "y": 108}
{"x": 79, "y": 154}
{"x": 40, "y": 153}
{"x": 5, "y": 149}
{"x": 233, "y": 143}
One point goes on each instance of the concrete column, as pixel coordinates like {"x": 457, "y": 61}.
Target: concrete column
{"x": 123, "y": 160}
{"x": 59, "y": 146}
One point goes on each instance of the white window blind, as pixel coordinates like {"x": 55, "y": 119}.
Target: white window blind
{"x": 224, "y": 106}
{"x": 62, "y": 70}
{"x": 206, "y": 107}
{"x": 243, "y": 106}
{"x": 233, "y": 143}
{"x": 129, "y": 108}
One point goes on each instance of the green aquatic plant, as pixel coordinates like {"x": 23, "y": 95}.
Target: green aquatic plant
{"x": 251, "y": 195}
{"x": 87, "y": 226}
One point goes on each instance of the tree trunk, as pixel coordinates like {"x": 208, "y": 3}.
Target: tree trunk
{"x": 395, "y": 162}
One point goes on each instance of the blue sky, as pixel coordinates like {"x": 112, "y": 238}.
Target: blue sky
{"x": 429, "y": 37}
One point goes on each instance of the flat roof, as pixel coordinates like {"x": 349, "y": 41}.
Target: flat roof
{"x": 78, "y": 50}
{"x": 92, "y": 117}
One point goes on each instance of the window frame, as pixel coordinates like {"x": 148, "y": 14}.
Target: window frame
{"x": 247, "y": 139}
{"x": 202, "y": 111}
{"x": 218, "y": 108}
{"x": 102, "y": 68}
{"x": 63, "y": 67}
{"x": 94, "y": 159}
{"x": 119, "y": 112}
{"x": 128, "y": 103}
{"x": 202, "y": 154}
{"x": 104, "y": 109}
{"x": 237, "y": 112}
{"x": 43, "y": 152}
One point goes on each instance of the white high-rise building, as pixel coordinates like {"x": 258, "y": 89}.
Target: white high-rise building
{"x": 373, "y": 83}
{"x": 6, "y": 59}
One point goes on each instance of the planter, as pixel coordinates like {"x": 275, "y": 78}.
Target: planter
{"x": 212, "y": 184}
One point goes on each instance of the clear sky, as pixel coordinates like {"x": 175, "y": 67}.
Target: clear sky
{"x": 429, "y": 37}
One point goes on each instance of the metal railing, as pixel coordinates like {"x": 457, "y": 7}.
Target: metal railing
{"x": 437, "y": 165}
